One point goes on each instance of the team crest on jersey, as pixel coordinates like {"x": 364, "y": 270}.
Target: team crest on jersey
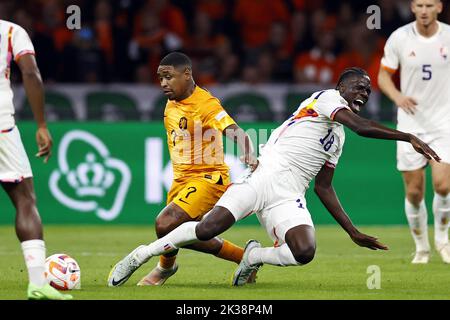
{"x": 183, "y": 123}
{"x": 444, "y": 52}
{"x": 182, "y": 133}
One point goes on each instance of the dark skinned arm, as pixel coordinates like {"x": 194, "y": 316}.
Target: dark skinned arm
{"x": 34, "y": 89}
{"x": 367, "y": 128}
{"x": 325, "y": 191}
{"x": 235, "y": 133}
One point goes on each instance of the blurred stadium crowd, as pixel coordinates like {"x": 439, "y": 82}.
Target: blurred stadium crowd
{"x": 255, "y": 41}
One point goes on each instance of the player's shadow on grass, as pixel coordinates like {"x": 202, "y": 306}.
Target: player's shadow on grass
{"x": 202, "y": 285}
{"x": 225, "y": 285}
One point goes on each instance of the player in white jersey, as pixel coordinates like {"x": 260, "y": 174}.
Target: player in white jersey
{"x": 15, "y": 172}
{"x": 307, "y": 145}
{"x": 421, "y": 50}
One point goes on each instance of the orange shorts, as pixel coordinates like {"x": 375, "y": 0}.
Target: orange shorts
{"x": 198, "y": 195}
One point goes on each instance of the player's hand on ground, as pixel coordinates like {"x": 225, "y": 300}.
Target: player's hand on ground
{"x": 364, "y": 240}
{"x": 408, "y": 104}
{"x": 45, "y": 142}
{"x": 423, "y": 148}
{"x": 250, "y": 160}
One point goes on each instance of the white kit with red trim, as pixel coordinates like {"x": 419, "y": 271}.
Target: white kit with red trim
{"x": 424, "y": 65}
{"x": 292, "y": 157}
{"x": 14, "y": 163}
{"x": 14, "y": 43}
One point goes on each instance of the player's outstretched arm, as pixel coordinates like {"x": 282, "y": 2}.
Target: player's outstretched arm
{"x": 408, "y": 104}
{"x": 325, "y": 191}
{"x": 34, "y": 89}
{"x": 235, "y": 133}
{"x": 371, "y": 129}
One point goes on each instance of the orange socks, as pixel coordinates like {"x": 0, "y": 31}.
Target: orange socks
{"x": 231, "y": 252}
{"x": 167, "y": 262}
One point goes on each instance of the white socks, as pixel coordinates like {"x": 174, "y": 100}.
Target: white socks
{"x": 185, "y": 234}
{"x": 441, "y": 210}
{"x": 181, "y": 236}
{"x": 278, "y": 256}
{"x": 417, "y": 219}
{"x": 34, "y": 254}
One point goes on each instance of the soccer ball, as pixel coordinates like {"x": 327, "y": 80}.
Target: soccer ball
{"x": 62, "y": 272}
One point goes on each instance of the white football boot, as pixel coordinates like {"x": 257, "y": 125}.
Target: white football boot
{"x": 123, "y": 270}
{"x": 444, "y": 251}
{"x": 421, "y": 257}
{"x": 244, "y": 270}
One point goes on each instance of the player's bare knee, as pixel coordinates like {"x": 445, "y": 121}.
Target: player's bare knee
{"x": 304, "y": 255}
{"x": 169, "y": 219}
{"x": 160, "y": 228}
{"x": 163, "y": 226}
{"x": 415, "y": 196}
{"x": 442, "y": 188}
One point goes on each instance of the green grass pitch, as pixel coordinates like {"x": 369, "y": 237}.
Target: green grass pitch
{"x": 339, "y": 270}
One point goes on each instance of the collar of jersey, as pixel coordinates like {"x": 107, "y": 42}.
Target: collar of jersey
{"x": 193, "y": 97}
{"x": 427, "y": 39}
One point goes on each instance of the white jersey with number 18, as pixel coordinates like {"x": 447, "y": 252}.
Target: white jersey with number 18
{"x": 308, "y": 140}
{"x": 424, "y": 75}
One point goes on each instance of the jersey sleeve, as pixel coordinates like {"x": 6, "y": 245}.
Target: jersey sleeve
{"x": 390, "y": 60}
{"x": 329, "y": 103}
{"x": 21, "y": 43}
{"x": 216, "y": 116}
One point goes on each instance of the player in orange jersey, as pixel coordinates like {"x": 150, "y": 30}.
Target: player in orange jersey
{"x": 195, "y": 122}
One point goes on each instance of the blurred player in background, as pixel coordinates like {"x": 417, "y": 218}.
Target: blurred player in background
{"x": 200, "y": 174}
{"x": 421, "y": 49}
{"x": 306, "y": 146}
{"x": 16, "y": 177}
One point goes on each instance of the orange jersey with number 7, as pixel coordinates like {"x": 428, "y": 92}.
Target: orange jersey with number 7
{"x": 194, "y": 136}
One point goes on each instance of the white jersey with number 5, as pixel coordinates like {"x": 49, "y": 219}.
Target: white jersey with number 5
{"x": 424, "y": 75}
{"x": 14, "y": 43}
{"x": 309, "y": 139}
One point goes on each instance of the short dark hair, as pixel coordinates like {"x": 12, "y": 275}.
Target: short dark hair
{"x": 351, "y": 72}
{"x": 176, "y": 59}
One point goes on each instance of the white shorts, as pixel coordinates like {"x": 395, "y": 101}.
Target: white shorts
{"x": 14, "y": 164}
{"x": 271, "y": 197}
{"x": 408, "y": 159}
